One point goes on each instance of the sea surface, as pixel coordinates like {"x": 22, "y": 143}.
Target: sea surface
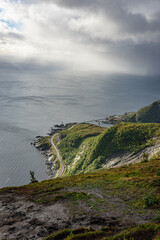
{"x": 31, "y": 103}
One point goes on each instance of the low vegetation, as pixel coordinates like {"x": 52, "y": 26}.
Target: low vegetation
{"x": 44, "y": 143}
{"x": 32, "y": 177}
{"x": 141, "y": 232}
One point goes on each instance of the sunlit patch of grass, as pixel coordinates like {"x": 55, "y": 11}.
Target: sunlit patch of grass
{"x": 80, "y": 233}
{"x": 143, "y": 232}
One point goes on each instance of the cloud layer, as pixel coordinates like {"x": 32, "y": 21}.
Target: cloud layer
{"x": 105, "y": 35}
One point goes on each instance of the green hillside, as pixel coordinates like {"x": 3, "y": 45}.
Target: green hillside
{"x": 148, "y": 114}
{"x": 125, "y": 193}
{"x": 85, "y": 147}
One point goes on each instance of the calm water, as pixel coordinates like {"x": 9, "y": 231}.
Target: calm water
{"x": 31, "y": 103}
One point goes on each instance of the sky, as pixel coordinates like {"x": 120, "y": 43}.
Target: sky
{"x": 114, "y": 36}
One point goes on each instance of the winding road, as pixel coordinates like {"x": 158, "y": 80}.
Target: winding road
{"x": 58, "y": 154}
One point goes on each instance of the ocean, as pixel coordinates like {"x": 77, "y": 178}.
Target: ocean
{"x": 31, "y": 103}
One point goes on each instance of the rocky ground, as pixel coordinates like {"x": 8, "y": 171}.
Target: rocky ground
{"x": 23, "y": 219}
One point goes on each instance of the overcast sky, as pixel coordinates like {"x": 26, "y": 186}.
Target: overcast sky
{"x": 103, "y": 35}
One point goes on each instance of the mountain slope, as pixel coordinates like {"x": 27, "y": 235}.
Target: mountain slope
{"x": 148, "y": 114}
{"x": 86, "y": 147}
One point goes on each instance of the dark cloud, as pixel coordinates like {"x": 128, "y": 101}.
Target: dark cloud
{"x": 143, "y": 54}
{"x": 132, "y": 22}
{"x": 119, "y": 12}
{"x": 144, "y": 57}
{"x": 11, "y": 35}
{"x": 147, "y": 54}
{"x": 119, "y": 31}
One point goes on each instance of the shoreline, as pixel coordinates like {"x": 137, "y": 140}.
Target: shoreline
{"x": 47, "y": 153}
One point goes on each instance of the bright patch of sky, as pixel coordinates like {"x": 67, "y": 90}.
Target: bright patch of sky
{"x": 10, "y": 24}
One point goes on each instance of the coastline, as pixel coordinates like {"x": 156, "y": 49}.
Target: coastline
{"x": 47, "y": 151}
{"x": 47, "y": 156}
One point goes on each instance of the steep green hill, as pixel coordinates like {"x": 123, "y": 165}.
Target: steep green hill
{"x": 85, "y": 147}
{"x": 148, "y": 114}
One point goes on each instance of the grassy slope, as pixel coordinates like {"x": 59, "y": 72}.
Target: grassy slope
{"x": 148, "y": 114}
{"x": 85, "y": 147}
{"x": 142, "y": 232}
{"x": 78, "y": 142}
{"x": 137, "y": 185}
